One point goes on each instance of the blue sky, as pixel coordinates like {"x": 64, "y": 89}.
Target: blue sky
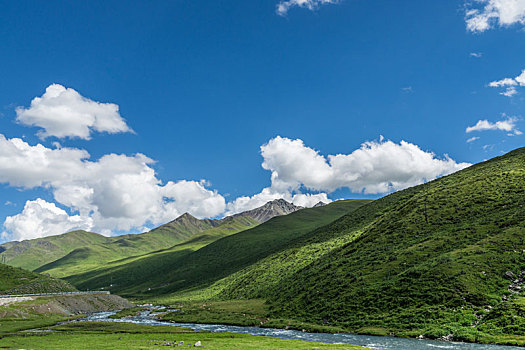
{"x": 204, "y": 84}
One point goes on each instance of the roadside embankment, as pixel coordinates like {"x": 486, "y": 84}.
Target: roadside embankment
{"x": 28, "y": 312}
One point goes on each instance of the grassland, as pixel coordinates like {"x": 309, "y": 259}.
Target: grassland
{"x": 249, "y": 312}
{"x": 92, "y": 335}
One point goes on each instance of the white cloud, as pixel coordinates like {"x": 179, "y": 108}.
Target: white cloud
{"x": 63, "y": 112}
{"x": 284, "y": 6}
{"x": 376, "y": 167}
{"x": 193, "y": 197}
{"x": 493, "y": 13}
{"x": 520, "y": 79}
{"x": 122, "y": 193}
{"x": 476, "y": 54}
{"x": 40, "y": 219}
{"x": 508, "y": 125}
{"x": 116, "y": 192}
{"x": 510, "y": 84}
{"x": 309, "y": 199}
{"x": 509, "y": 92}
{"x": 293, "y": 164}
{"x": 472, "y": 139}
{"x": 503, "y": 82}
{"x": 22, "y": 165}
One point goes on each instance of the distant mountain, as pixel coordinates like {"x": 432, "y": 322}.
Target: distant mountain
{"x": 134, "y": 247}
{"x": 183, "y": 227}
{"x": 192, "y": 264}
{"x": 191, "y": 233}
{"x": 95, "y": 248}
{"x": 71, "y": 252}
{"x": 270, "y": 210}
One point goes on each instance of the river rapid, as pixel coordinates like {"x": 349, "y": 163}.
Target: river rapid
{"x": 373, "y": 342}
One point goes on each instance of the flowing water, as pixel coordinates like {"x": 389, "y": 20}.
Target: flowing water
{"x": 368, "y": 341}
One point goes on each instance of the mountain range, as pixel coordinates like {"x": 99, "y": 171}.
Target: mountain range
{"x": 94, "y": 249}
{"x": 442, "y": 259}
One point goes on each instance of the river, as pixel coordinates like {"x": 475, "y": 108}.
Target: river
{"x": 368, "y": 341}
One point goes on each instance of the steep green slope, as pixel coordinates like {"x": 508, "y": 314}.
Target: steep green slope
{"x": 132, "y": 247}
{"x": 267, "y": 275}
{"x": 14, "y": 280}
{"x": 183, "y": 268}
{"x": 434, "y": 259}
{"x": 33, "y": 253}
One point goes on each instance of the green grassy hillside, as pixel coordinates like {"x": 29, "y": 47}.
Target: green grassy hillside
{"x": 196, "y": 262}
{"x": 132, "y": 247}
{"x": 436, "y": 259}
{"x": 14, "y": 280}
{"x": 33, "y": 253}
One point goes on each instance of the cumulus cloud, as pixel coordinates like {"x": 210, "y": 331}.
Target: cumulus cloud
{"x": 63, "y": 112}
{"x": 472, "y": 139}
{"x": 120, "y": 192}
{"x": 40, "y": 219}
{"x": 376, "y": 167}
{"x": 284, "y": 6}
{"x": 508, "y": 125}
{"x": 491, "y": 13}
{"x": 193, "y": 197}
{"x": 115, "y": 192}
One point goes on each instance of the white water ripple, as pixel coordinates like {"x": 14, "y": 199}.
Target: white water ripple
{"x": 373, "y": 342}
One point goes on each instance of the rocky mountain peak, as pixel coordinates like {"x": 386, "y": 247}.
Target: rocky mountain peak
{"x": 274, "y": 208}
{"x": 185, "y": 217}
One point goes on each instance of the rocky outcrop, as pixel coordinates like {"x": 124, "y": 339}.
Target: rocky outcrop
{"x": 517, "y": 282}
{"x": 87, "y": 303}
